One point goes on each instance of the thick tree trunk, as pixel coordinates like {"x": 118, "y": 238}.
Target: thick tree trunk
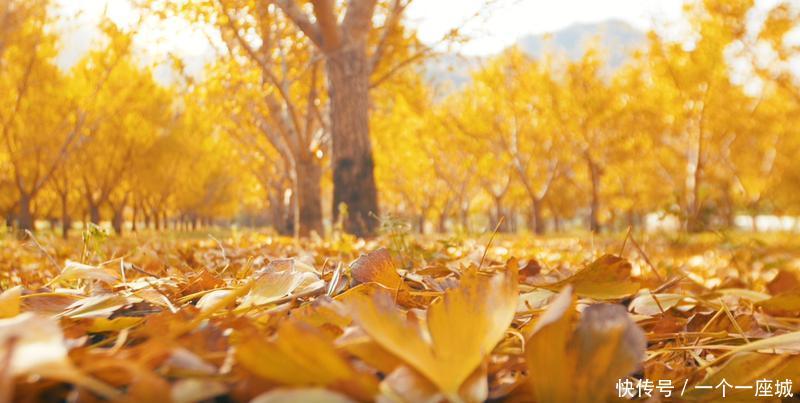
{"x": 309, "y": 196}
{"x": 25, "y": 218}
{"x": 352, "y": 161}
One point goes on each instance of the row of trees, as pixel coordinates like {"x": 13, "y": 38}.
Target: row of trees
{"x": 702, "y": 129}
{"x": 288, "y": 96}
{"x": 103, "y": 140}
{"x": 306, "y": 100}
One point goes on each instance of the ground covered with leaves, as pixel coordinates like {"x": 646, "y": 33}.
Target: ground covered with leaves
{"x": 239, "y": 317}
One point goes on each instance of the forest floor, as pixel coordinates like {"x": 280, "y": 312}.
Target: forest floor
{"x": 234, "y": 316}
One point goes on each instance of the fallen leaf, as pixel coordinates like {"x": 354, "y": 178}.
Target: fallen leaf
{"x": 196, "y": 390}
{"x": 300, "y": 355}
{"x": 79, "y": 271}
{"x": 10, "y": 302}
{"x": 582, "y": 365}
{"x": 608, "y": 277}
{"x": 312, "y": 395}
{"x": 377, "y": 267}
{"x": 787, "y": 304}
{"x": 551, "y": 367}
{"x": 481, "y": 306}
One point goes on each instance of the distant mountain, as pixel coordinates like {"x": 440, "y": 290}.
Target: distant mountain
{"x": 616, "y": 37}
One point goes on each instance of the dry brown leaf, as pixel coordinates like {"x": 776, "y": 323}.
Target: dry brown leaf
{"x": 377, "y": 267}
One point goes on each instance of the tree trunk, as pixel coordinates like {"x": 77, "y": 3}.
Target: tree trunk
{"x": 25, "y": 218}
{"x": 134, "y": 217}
{"x": 442, "y": 226}
{"x": 10, "y": 219}
{"x": 465, "y": 218}
{"x": 498, "y": 214}
{"x": 594, "y": 204}
{"x": 94, "y": 212}
{"x": 352, "y": 161}
{"x": 538, "y": 220}
{"x": 308, "y": 174}
{"x": 117, "y": 220}
{"x": 66, "y": 222}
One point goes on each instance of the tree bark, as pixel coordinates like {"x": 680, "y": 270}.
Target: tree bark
{"x": 353, "y": 164}
{"x": 25, "y": 218}
{"x": 309, "y": 196}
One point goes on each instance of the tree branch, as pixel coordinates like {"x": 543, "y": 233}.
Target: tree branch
{"x": 299, "y": 18}
{"x": 329, "y": 26}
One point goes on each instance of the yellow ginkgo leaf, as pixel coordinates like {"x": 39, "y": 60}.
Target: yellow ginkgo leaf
{"x": 550, "y": 367}
{"x": 460, "y": 329}
{"x": 581, "y": 365}
{"x": 608, "y": 277}
{"x": 301, "y": 355}
{"x": 10, "y": 302}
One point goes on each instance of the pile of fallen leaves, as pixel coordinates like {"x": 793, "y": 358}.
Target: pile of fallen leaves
{"x": 257, "y": 318}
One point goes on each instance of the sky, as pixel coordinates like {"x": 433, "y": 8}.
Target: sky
{"x": 500, "y": 23}
{"x": 508, "y": 20}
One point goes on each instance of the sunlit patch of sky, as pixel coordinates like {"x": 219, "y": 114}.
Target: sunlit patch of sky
{"x": 489, "y": 25}
{"x": 505, "y": 21}
{"x": 500, "y": 24}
